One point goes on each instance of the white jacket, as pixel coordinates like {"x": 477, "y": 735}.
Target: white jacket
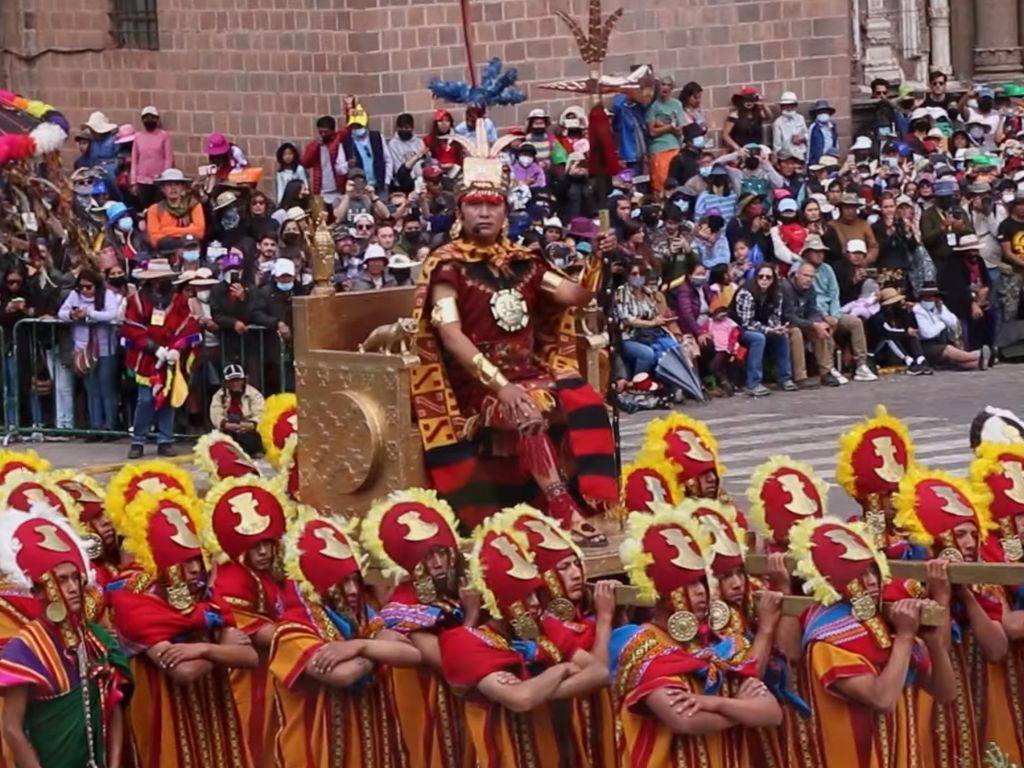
{"x": 931, "y": 323}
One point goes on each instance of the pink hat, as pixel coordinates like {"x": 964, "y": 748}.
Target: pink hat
{"x": 108, "y": 258}
{"x": 217, "y": 144}
{"x": 125, "y": 134}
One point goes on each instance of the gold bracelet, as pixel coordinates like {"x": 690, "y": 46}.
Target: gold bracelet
{"x": 445, "y": 312}
{"x": 551, "y": 280}
{"x": 488, "y": 374}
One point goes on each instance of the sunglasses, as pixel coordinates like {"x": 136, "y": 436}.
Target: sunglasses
{"x": 14, "y": 283}
{"x": 363, "y": 227}
{"x": 938, "y": 82}
{"x": 86, "y": 287}
{"x": 881, "y": 93}
{"x": 765, "y": 277}
{"x": 258, "y": 202}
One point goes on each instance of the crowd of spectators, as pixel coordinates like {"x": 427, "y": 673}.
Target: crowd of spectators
{"x": 758, "y": 248}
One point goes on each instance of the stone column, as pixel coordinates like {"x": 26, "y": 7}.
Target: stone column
{"x": 938, "y": 25}
{"x": 996, "y": 42}
{"x": 879, "y": 57}
{"x": 962, "y": 20}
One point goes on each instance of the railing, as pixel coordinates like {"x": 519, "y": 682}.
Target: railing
{"x": 44, "y": 396}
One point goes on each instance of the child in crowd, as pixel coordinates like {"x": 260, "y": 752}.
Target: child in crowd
{"x": 725, "y": 338}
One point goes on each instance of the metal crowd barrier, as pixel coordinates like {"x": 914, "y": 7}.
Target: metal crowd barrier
{"x": 41, "y": 351}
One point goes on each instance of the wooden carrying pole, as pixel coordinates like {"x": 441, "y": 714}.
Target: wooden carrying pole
{"x": 1001, "y": 574}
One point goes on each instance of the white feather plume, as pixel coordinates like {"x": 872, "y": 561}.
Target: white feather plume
{"x": 48, "y": 137}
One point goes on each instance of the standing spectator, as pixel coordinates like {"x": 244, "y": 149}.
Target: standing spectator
{"x": 15, "y": 305}
{"x": 793, "y": 180}
{"x": 159, "y": 330}
{"x": 178, "y": 214}
{"x": 629, "y": 126}
{"x": 938, "y": 97}
{"x": 152, "y": 154}
{"x": 266, "y": 255}
{"x": 719, "y": 195}
{"x": 446, "y": 152}
{"x": 359, "y": 200}
{"x": 288, "y": 169}
{"x": 82, "y": 141}
{"x": 93, "y": 310}
{"x": 102, "y": 146}
{"x": 757, "y": 309}
{"x": 896, "y": 246}
{"x": 258, "y": 222}
{"x": 539, "y": 136}
{"x": 665, "y": 125}
{"x": 325, "y": 161}
{"x": 789, "y": 131}
{"x": 824, "y": 138}
{"x": 985, "y": 220}
{"x": 231, "y": 306}
{"x": 693, "y": 113}
{"x": 467, "y": 128}
{"x": 826, "y": 292}
{"x": 236, "y": 409}
{"x": 968, "y": 293}
{"x": 944, "y": 223}
{"x": 407, "y": 151}
{"x": 938, "y": 328}
{"x": 224, "y": 155}
{"x": 686, "y": 164}
{"x": 374, "y": 272}
{"x": 800, "y": 310}
{"x": 365, "y": 149}
{"x": 849, "y": 226}
{"x": 745, "y": 124}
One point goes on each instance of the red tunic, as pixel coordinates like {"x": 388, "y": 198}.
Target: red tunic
{"x": 178, "y": 330}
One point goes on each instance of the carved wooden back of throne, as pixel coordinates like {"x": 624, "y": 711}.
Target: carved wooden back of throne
{"x": 357, "y": 430}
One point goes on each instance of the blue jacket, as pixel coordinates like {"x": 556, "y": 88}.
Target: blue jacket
{"x": 824, "y": 140}
{"x": 630, "y": 128}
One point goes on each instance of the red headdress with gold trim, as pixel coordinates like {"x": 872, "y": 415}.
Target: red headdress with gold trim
{"x": 27, "y": 462}
{"x": 33, "y": 544}
{"x": 874, "y": 456}
{"x": 401, "y": 529}
{"x": 997, "y": 481}
{"x": 320, "y": 553}
{"x": 686, "y": 443}
{"x": 25, "y": 493}
{"x": 222, "y": 457}
{"x": 280, "y": 420}
{"x": 240, "y": 512}
{"x": 930, "y": 504}
{"x": 161, "y": 530}
{"x": 726, "y": 541}
{"x": 650, "y": 479}
{"x": 501, "y": 570}
{"x": 85, "y": 490}
{"x": 783, "y": 492}
{"x": 832, "y": 557}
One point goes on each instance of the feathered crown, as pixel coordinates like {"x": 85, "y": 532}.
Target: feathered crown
{"x": 162, "y": 530}
{"x": 997, "y": 479}
{"x": 146, "y": 476}
{"x": 781, "y": 492}
{"x": 19, "y": 556}
{"x": 496, "y": 87}
{"x": 931, "y": 502}
{"x": 483, "y": 173}
{"x": 400, "y": 529}
{"x": 874, "y": 455}
{"x": 500, "y": 587}
{"x": 337, "y": 555}
{"x": 686, "y": 442}
{"x": 653, "y": 574}
{"x": 831, "y": 553}
{"x": 239, "y": 512}
{"x": 650, "y": 478}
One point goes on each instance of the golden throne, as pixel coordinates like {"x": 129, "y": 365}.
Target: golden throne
{"x": 358, "y": 438}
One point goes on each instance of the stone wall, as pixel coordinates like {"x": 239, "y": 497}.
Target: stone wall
{"x": 260, "y": 71}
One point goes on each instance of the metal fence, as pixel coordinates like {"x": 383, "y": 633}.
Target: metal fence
{"x": 44, "y": 396}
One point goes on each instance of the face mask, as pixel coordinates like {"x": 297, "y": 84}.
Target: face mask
{"x": 118, "y": 282}
{"x": 230, "y": 219}
{"x": 360, "y": 133}
{"x": 637, "y": 281}
{"x": 705, "y": 171}
{"x": 929, "y": 305}
{"x": 125, "y": 224}
{"x": 788, "y": 111}
{"x": 291, "y": 238}
{"x": 190, "y": 256}
{"x": 698, "y": 142}
{"x": 823, "y": 117}
{"x": 525, "y": 160}
{"x": 285, "y": 287}
{"x": 1008, "y": 197}
{"x": 405, "y": 135}
{"x": 699, "y": 280}
{"x": 149, "y": 125}
{"x": 203, "y": 296}
{"x": 412, "y": 237}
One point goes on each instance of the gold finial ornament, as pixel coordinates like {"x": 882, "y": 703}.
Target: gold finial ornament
{"x": 323, "y": 251}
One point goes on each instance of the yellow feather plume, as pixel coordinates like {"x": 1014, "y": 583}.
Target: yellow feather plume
{"x": 908, "y": 518}
{"x": 814, "y": 582}
{"x": 290, "y": 547}
{"x": 32, "y": 460}
{"x": 756, "y": 514}
{"x": 369, "y": 529}
{"x": 117, "y": 489}
{"x": 476, "y": 577}
{"x": 987, "y": 463}
{"x": 656, "y": 461}
{"x": 850, "y": 440}
{"x": 657, "y": 430}
{"x": 274, "y": 408}
{"x": 136, "y": 518}
{"x": 202, "y": 449}
{"x": 635, "y": 559}
{"x": 213, "y": 496}
{"x": 689, "y": 507}
{"x": 508, "y": 517}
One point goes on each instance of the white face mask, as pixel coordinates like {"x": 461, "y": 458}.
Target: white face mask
{"x": 203, "y": 296}
{"x": 525, "y": 160}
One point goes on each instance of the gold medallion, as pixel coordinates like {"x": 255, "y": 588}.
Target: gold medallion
{"x": 426, "y": 590}
{"x": 951, "y": 555}
{"x": 524, "y": 627}
{"x": 682, "y": 626}
{"x": 864, "y": 607}
{"x": 1013, "y": 548}
{"x": 509, "y": 309}
{"x": 562, "y": 608}
{"x": 875, "y": 521}
{"x": 56, "y": 611}
{"x": 93, "y": 547}
{"x": 719, "y": 615}
{"x": 180, "y": 598}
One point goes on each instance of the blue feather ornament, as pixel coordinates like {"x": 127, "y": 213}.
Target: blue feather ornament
{"x": 497, "y": 88}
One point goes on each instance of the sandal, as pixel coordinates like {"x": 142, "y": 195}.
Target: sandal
{"x": 585, "y": 535}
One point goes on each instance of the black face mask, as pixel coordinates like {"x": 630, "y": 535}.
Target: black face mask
{"x": 401, "y": 275}
{"x": 945, "y": 202}
{"x": 150, "y": 125}
{"x": 405, "y": 135}
{"x": 291, "y": 238}
{"x": 413, "y": 236}
{"x": 118, "y": 282}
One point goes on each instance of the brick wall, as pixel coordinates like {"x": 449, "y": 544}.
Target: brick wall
{"x": 260, "y": 71}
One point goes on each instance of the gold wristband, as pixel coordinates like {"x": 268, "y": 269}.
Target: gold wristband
{"x": 551, "y": 280}
{"x": 488, "y": 374}
{"x": 445, "y": 312}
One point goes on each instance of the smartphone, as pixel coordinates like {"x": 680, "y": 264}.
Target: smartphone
{"x": 206, "y": 170}
{"x": 871, "y": 272}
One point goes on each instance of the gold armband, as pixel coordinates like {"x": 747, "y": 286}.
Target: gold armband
{"x": 445, "y": 312}
{"x": 551, "y": 280}
{"x": 488, "y": 374}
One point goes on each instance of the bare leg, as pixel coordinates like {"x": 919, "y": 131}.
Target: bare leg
{"x": 967, "y": 360}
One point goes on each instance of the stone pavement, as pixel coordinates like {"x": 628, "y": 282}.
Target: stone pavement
{"x": 806, "y": 425}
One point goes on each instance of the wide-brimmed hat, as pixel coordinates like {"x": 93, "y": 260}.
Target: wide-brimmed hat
{"x": 171, "y": 175}
{"x": 930, "y": 288}
{"x": 217, "y": 144}
{"x": 849, "y": 198}
{"x": 224, "y": 199}
{"x": 553, "y": 223}
{"x": 295, "y": 213}
{"x": 374, "y": 251}
{"x": 99, "y": 123}
{"x": 185, "y": 277}
{"x": 125, "y": 134}
{"x": 203, "y": 277}
{"x": 856, "y": 245}
{"x": 788, "y": 97}
{"x": 813, "y": 243}
{"x": 745, "y": 200}
{"x": 967, "y": 243}
{"x": 400, "y": 261}
{"x": 861, "y": 143}
{"x": 821, "y": 105}
{"x": 889, "y": 296}
{"x": 584, "y": 228}
{"x": 156, "y": 269}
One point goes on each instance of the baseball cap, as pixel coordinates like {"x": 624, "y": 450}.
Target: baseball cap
{"x": 150, "y": 110}
{"x": 856, "y": 245}
{"x": 233, "y": 371}
{"x": 284, "y": 267}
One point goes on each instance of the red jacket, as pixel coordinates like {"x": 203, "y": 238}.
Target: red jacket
{"x": 179, "y": 331}
{"x": 311, "y": 161}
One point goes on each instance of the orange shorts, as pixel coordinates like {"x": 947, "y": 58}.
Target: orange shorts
{"x": 660, "y": 162}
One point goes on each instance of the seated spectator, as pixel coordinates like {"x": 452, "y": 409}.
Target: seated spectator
{"x": 445, "y": 152}
{"x": 93, "y": 309}
{"x": 400, "y": 268}
{"x": 788, "y": 235}
{"x": 178, "y": 214}
{"x": 895, "y": 337}
{"x": 751, "y": 225}
{"x": 236, "y": 409}
{"x": 373, "y": 275}
{"x": 850, "y": 226}
{"x": 258, "y": 221}
{"x": 846, "y": 329}
{"x": 359, "y": 198}
{"x": 800, "y": 310}
{"x": 407, "y": 152}
{"x": 757, "y": 309}
{"x": 718, "y": 195}
{"x": 693, "y": 300}
{"x": 938, "y": 328}
{"x": 711, "y": 242}
{"x": 725, "y": 341}
{"x": 644, "y": 337}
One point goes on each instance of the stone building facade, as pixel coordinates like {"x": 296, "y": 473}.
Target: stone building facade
{"x": 261, "y": 71}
